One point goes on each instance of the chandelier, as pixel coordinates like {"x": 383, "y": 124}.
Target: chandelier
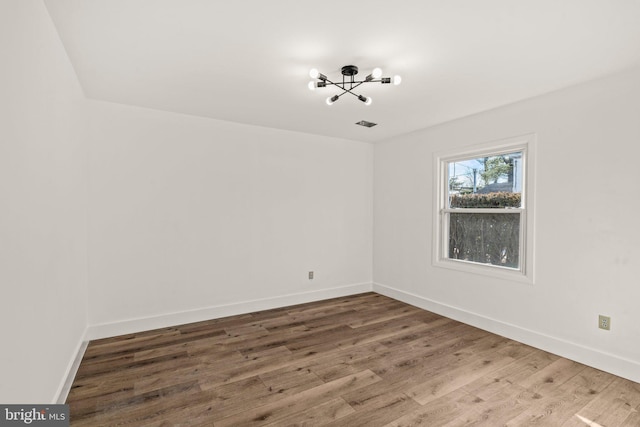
{"x": 349, "y": 82}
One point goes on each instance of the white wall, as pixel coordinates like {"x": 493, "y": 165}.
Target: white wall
{"x": 42, "y": 207}
{"x": 587, "y": 231}
{"x": 193, "y": 218}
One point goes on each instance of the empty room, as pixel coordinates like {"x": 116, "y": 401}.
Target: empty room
{"x": 292, "y": 213}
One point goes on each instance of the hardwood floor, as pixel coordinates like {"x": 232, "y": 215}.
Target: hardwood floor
{"x": 364, "y": 360}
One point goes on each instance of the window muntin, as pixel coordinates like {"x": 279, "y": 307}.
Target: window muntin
{"x": 483, "y": 209}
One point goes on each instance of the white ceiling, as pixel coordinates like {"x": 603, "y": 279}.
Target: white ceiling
{"x": 248, "y": 60}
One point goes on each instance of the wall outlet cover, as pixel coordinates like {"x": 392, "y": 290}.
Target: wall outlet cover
{"x": 604, "y": 322}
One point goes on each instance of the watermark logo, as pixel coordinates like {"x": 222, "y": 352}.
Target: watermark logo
{"x": 34, "y": 415}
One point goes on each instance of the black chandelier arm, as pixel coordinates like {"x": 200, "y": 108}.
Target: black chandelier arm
{"x": 342, "y": 86}
{"x": 356, "y": 82}
{"x": 350, "y": 90}
{"x": 345, "y": 91}
{"x": 328, "y": 82}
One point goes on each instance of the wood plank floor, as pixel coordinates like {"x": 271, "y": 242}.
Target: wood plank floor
{"x": 364, "y": 360}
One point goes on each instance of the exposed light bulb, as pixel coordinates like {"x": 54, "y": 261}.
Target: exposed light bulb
{"x": 376, "y": 73}
{"x": 368, "y": 101}
{"x": 397, "y": 80}
{"x": 312, "y": 85}
{"x": 332, "y": 99}
{"x": 314, "y": 73}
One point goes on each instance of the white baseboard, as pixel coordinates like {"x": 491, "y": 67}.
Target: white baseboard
{"x": 611, "y": 363}
{"x": 129, "y": 326}
{"x": 72, "y": 370}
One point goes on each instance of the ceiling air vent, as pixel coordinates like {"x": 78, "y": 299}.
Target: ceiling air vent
{"x": 366, "y": 123}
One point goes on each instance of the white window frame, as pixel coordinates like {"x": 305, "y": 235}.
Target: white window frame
{"x": 526, "y": 145}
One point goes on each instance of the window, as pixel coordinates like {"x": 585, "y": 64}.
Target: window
{"x": 484, "y": 219}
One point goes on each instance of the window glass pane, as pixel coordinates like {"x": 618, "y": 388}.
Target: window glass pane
{"x": 488, "y": 238}
{"x": 486, "y": 182}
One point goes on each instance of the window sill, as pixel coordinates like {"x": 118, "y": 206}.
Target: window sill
{"x": 504, "y": 273}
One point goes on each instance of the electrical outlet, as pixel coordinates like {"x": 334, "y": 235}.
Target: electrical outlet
{"x": 311, "y": 275}
{"x": 604, "y": 322}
